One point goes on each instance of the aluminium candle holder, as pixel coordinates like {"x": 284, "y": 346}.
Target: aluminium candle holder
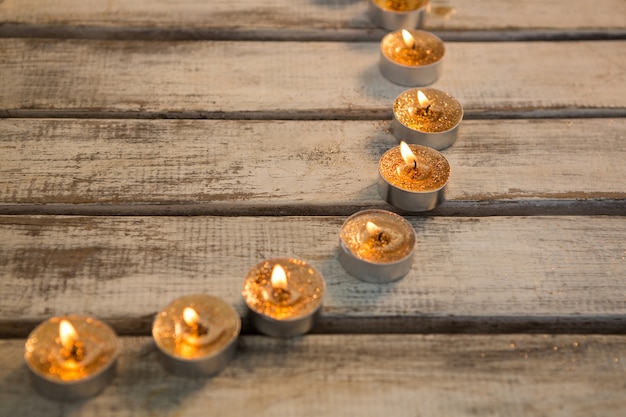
{"x": 286, "y": 309}
{"x": 75, "y": 373}
{"x": 434, "y": 123}
{"x": 411, "y": 57}
{"x": 413, "y": 190}
{"x": 377, "y": 246}
{"x": 398, "y": 14}
{"x": 201, "y": 346}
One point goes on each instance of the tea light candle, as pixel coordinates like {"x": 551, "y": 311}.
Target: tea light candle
{"x": 426, "y": 116}
{"x": 283, "y": 296}
{"x": 196, "y": 335}
{"x": 376, "y": 246}
{"x": 413, "y": 177}
{"x": 411, "y": 57}
{"x": 398, "y": 14}
{"x": 72, "y": 357}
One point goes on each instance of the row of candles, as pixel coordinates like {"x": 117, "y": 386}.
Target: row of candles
{"x": 74, "y": 357}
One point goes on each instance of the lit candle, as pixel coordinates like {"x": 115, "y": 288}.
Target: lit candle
{"x": 426, "y": 116}
{"x": 397, "y": 14}
{"x": 283, "y": 296}
{"x": 411, "y": 57}
{"x": 196, "y": 335}
{"x": 376, "y": 246}
{"x": 72, "y": 357}
{"x": 413, "y": 177}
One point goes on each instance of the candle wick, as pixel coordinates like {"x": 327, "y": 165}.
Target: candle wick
{"x": 415, "y": 164}
{"x": 427, "y": 109}
{"x": 198, "y": 329}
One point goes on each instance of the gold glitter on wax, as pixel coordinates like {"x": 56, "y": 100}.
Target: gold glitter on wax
{"x": 428, "y": 48}
{"x": 393, "y": 242}
{"x": 401, "y": 5}
{"x": 430, "y": 162}
{"x": 303, "y": 282}
{"x": 443, "y": 113}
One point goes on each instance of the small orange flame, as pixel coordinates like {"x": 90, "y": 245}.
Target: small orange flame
{"x": 67, "y": 334}
{"x": 408, "y": 39}
{"x": 422, "y": 99}
{"x": 190, "y": 316}
{"x": 279, "y": 278}
{"x": 372, "y": 228}
{"x": 408, "y": 155}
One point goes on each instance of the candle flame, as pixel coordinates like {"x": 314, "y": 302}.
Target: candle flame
{"x": 408, "y": 155}
{"x": 408, "y": 39}
{"x": 279, "y": 278}
{"x": 67, "y": 334}
{"x": 190, "y": 316}
{"x": 422, "y": 99}
{"x": 372, "y": 228}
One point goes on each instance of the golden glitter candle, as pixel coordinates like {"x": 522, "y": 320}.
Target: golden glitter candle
{"x": 376, "y": 246}
{"x": 411, "y": 57}
{"x": 71, "y": 357}
{"x": 283, "y": 296}
{"x": 398, "y": 14}
{"x": 413, "y": 177}
{"x": 196, "y": 335}
{"x": 427, "y": 117}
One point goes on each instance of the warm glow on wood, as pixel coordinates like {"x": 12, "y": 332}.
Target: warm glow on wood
{"x": 67, "y": 334}
{"x": 279, "y": 278}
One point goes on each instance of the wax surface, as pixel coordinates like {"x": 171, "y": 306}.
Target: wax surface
{"x": 428, "y": 49}
{"x": 437, "y": 167}
{"x": 394, "y": 242}
{"x": 444, "y": 111}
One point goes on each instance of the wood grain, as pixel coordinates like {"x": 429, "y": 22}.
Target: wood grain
{"x": 409, "y": 375}
{"x": 304, "y": 19}
{"x": 327, "y": 80}
{"x": 492, "y": 274}
{"x": 570, "y": 166}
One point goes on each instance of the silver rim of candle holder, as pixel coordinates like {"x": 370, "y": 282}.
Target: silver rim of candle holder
{"x": 411, "y": 75}
{"x": 393, "y": 20}
{"x": 59, "y": 390}
{"x": 373, "y": 272}
{"x": 204, "y": 366}
{"x": 200, "y": 367}
{"x": 283, "y": 328}
{"x": 412, "y": 201}
{"x": 435, "y": 140}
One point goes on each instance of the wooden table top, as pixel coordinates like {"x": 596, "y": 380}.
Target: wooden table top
{"x": 153, "y": 149}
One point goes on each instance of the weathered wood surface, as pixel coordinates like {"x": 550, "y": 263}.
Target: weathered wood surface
{"x": 491, "y": 274}
{"x": 300, "y": 167}
{"x": 286, "y": 80}
{"x": 409, "y": 375}
{"x": 305, "y": 19}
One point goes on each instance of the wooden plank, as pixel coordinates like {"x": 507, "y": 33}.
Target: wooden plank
{"x": 491, "y": 274}
{"x": 409, "y": 375}
{"x": 291, "y": 19}
{"x": 252, "y": 167}
{"x": 328, "y": 80}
